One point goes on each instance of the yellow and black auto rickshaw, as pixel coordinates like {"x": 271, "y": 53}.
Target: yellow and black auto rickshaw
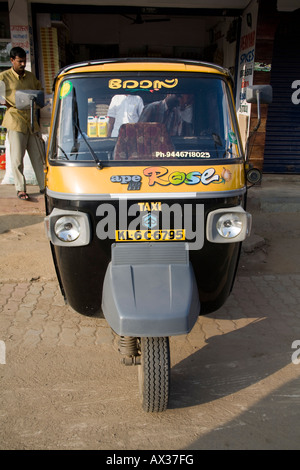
{"x": 145, "y": 201}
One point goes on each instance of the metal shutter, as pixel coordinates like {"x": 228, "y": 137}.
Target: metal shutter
{"x": 282, "y": 145}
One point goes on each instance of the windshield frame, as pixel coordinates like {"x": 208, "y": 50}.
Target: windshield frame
{"x": 228, "y": 95}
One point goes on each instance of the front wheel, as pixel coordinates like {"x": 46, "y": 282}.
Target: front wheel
{"x": 154, "y": 373}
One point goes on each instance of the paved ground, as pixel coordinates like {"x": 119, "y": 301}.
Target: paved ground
{"x": 233, "y": 384}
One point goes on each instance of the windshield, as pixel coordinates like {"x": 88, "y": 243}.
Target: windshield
{"x": 144, "y": 116}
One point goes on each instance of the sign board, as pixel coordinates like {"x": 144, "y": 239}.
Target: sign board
{"x": 246, "y": 62}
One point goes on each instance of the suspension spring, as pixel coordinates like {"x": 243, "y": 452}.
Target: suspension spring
{"x": 128, "y": 347}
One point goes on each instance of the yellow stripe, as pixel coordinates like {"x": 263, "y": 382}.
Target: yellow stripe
{"x": 152, "y": 179}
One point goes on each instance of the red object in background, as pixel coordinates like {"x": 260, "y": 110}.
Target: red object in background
{"x": 2, "y": 161}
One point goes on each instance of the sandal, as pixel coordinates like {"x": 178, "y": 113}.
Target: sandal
{"x": 22, "y": 195}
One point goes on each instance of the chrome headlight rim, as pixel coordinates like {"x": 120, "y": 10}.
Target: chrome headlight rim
{"x": 243, "y": 221}
{"x": 80, "y": 231}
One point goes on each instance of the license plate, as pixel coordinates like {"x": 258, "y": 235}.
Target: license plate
{"x": 149, "y": 235}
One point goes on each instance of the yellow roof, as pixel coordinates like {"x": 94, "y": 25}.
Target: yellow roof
{"x": 128, "y": 65}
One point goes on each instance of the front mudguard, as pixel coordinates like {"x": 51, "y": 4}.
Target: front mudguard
{"x": 150, "y": 290}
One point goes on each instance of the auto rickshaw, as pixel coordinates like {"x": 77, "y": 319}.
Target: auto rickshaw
{"x": 146, "y": 185}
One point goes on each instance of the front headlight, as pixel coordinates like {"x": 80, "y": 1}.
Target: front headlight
{"x": 228, "y": 225}
{"x": 68, "y": 228}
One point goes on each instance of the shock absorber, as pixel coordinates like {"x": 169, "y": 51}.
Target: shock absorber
{"x": 128, "y": 348}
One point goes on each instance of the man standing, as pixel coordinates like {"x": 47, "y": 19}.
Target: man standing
{"x": 17, "y": 123}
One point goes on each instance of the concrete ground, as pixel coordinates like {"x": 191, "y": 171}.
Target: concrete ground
{"x": 234, "y": 379}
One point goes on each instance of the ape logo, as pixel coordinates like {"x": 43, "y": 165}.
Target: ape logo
{"x": 134, "y": 181}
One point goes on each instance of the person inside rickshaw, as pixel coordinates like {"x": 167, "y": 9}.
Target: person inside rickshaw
{"x": 165, "y": 112}
{"x": 186, "y": 112}
{"x": 194, "y": 117}
{"x": 160, "y": 121}
{"x": 123, "y": 109}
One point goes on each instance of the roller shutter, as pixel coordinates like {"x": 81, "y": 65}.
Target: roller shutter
{"x": 282, "y": 145}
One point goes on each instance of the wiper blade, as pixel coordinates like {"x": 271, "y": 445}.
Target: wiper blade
{"x": 75, "y": 120}
{"x": 97, "y": 161}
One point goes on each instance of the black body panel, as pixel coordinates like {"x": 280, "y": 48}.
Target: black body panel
{"x": 81, "y": 270}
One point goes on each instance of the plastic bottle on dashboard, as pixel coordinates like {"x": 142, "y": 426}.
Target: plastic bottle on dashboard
{"x": 102, "y": 126}
{"x": 92, "y": 126}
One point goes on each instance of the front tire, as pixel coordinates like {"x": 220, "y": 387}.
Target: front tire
{"x": 154, "y": 373}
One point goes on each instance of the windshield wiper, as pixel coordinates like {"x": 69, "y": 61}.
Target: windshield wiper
{"x": 97, "y": 161}
{"x": 63, "y": 152}
{"x": 75, "y": 120}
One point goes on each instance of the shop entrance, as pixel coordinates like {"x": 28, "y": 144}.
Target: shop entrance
{"x": 67, "y": 34}
{"x": 88, "y": 33}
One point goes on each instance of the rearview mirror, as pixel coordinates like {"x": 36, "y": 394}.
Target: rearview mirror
{"x": 28, "y": 99}
{"x": 264, "y": 91}
{"x": 24, "y": 98}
